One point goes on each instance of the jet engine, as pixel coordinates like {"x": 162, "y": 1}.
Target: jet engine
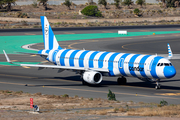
{"x": 92, "y": 77}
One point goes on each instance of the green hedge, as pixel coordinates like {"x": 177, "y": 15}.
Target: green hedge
{"x": 91, "y": 10}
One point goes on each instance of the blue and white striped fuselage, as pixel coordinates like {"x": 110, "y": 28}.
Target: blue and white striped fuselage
{"x": 118, "y": 64}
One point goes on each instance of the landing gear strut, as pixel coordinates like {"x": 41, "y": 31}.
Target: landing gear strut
{"x": 158, "y": 86}
{"x": 121, "y": 80}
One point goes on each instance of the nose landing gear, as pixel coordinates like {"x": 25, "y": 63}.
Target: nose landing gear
{"x": 158, "y": 86}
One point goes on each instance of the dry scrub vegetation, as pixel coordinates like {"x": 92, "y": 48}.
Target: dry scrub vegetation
{"x": 60, "y": 12}
{"x": 19, "y": 103}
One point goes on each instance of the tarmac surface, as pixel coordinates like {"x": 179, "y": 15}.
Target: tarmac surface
{"x": 48, "y": 81}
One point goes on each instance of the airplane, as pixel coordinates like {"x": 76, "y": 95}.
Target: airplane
{"x": 93, "y": 65}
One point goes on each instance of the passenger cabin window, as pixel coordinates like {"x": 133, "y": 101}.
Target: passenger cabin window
{"x": 164, "y": 64}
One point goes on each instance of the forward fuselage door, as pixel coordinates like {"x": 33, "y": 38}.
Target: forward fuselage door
{"x": 121, "y": 63}
{"x": 150, "y": 65}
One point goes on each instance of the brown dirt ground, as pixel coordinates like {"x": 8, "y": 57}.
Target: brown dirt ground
{"x": 16, "y": 105}
{"x": 62, "y": 12}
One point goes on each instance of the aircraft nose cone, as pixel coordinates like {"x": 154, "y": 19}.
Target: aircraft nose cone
{"x": 169, "y": 71}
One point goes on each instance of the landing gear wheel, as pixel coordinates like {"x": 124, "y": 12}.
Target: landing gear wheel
{"x": 158, "y": 86}
{"x": 121, "y": 80}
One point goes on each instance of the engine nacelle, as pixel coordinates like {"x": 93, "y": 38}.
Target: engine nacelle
{"x": 92, "y": 77}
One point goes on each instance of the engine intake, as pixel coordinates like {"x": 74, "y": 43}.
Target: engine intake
{"x": 92, "y": 77}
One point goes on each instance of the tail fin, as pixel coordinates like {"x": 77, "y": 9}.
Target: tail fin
{"x": 170, "y": 52}
{"x": 49, "y": 38}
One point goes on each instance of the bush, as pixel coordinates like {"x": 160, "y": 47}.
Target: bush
{"x": 116, "y": 3}
{"x": 34, "y": 4}
{"x": 22, "y": 15}
{"x": 170, "y": 3}
{"x": 111, "y": 96}
{"x": 65, "y": 96}
{"x": 136, "y": 11}
{"x": 127, "y": 2}
{"x": 163, "y": 103}
{"x": 140, "y": 2}
{"x": 91, "y": 10}
{"x": 103, "y": 2}
{"x": 67, "y": 3}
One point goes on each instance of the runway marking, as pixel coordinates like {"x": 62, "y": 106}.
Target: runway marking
{"x": 64, "y": 45}
{"x": 130, "y": 94}
{"x": 38, "y": 78}
{"x": 70, "y": 45}
{"x": 12, "y": 83}
{"x": 33, "y": 55}
{"x": 17, "y": 76}
{"x": 76, "y": 81}
{"x": 168, "y": 94}
{"x": 25, "y": 67}
{"x": 124, "y": 46}
{"x": 13, "y": 60}
{"x": 86, "y": 41}
{"x": 152, "y": 88}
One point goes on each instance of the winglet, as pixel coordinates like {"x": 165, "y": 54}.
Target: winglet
{"x": 169, "y": 51}
{"x": 7, "y": 58}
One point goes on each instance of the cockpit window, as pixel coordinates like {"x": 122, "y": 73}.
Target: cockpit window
{"x": 164, "y": 64}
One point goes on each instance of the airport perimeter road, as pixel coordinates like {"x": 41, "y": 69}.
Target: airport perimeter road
{"x": 48, "y": 81}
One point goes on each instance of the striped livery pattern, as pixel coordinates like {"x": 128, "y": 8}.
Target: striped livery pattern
{"x": 92, "y": 65}
{"x": 125, "y": 64}
{"x": 117, "y": 64}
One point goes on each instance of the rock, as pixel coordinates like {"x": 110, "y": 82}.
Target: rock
{"x": 80, "y": 12}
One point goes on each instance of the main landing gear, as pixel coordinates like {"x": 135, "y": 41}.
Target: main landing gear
{"x": 158, "y": 86}
{"x": 121, "y": 81}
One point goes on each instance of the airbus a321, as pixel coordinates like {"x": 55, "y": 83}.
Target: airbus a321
{"x": 93, "y": 65}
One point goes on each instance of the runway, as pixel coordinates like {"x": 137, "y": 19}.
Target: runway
{"x": 48, "y": 81}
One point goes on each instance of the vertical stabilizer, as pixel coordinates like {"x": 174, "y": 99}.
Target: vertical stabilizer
{"x": 49, "y": 38}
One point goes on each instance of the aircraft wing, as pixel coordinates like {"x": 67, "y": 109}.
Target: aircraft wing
{"x": 57, "y": 67}
{"x": 65, "y": 67}
{"x": 45, "y": 54}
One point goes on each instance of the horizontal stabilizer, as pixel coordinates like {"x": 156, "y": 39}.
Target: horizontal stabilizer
{"x": 7, "y": 58}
